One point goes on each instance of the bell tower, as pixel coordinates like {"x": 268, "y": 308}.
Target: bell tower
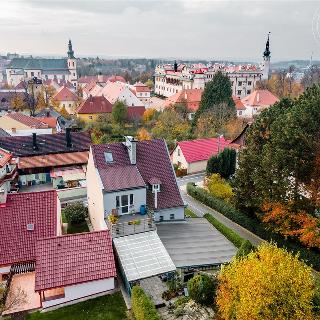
{"x": 266, "y": 72}
{"x": 72, "y": 65}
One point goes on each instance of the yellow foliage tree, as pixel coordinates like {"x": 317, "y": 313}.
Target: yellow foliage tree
{"x": 148, "y": 115}
{"x": 17, "y": 102}
{"x": 143, "y": 134}
{"x": 219, "y": 187}
{"x": 268, "y": 284}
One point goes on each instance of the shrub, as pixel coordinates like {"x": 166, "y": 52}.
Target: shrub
{"x": 245, "y": 248}
{"x": 142, "y": 306}
{"x": 75, "y": 213}
{"x": 202, "y": 289}
{"x": 219, "y": 187}
{"x": 309, "y": 256}
{"x": 224, "y": 163}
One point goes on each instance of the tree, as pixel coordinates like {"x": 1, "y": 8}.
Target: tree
{"x": 15, "y": 299}
{"x": 149, "y": 83}
{"x": 75, "y": 213}
{"x": 268, "y": 284}
{"x": 143, "y": 134}
{"x": 217, "y": 96}
{"x": 224, "y": 163}
{"x": 149, "y": 115}
{"x": 17, "y": 102}
{"x": 219, "y": 187}
{"x": 202, "y": 289}
{"x": 119, "y": 112}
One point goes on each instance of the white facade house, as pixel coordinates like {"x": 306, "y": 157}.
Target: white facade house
{"x": 124, "y": 178}
{"x": 169, "y": 79}
{"x": 24, "y": 69}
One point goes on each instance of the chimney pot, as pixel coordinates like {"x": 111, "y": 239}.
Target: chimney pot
{"x": 34, "y": 141}
{"x": 68, "y": 137}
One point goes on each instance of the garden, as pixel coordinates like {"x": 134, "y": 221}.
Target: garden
{"x": 75, "y": 218}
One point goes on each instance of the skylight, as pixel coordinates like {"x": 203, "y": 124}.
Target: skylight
{"x": 108, "y": 156}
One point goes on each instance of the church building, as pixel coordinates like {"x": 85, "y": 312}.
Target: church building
{"x": 23, "y": 69}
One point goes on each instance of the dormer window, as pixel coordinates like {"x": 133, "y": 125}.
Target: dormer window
{"x": 108, "y": 157}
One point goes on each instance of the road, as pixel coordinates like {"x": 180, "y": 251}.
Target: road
{"x": 200, "y": 209}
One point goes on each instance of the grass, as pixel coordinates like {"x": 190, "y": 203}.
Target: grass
{"x": 189, "y": 213}
{"x": 110, "y": 307}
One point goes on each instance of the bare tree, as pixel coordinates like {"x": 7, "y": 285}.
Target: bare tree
{"x": 15, "y": 299}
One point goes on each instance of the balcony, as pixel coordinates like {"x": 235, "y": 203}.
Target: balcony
{"x": 130, "y": 224}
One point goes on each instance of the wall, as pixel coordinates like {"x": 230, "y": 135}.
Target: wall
{"x": 82, "y": 290}
{"x": 197, "y": 166}
{"x": 178, "y": 214}
{"x": 95, "y": 196}
{"x": 139, "y": 198}
{"x": 179, "y": 158}
{"x": 86, "y": 117}
{"x": 70, "y": 106}
{"x": 41, "y": 178}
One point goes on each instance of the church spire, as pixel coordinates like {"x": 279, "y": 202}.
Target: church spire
{"x": 266, "y": 53}
{"x": 70, "y": 51}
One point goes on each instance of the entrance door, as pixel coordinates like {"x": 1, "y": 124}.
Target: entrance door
{"x": 124, "y": 204}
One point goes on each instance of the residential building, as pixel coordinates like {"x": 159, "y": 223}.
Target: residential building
{"x": 169, "y": 79}
{"x": 240, "y": 108}
{"x": 142, "y": 92}
{"x": 74, "y": 267}
{"x": 26, "y": 218}
{"x": 193, "y": 155}
{"x": 22, "y": 69}
{"x": 102, "y": 79}
{"x": 19, "y": 124}
{"x": 94, "y": 107}
{"x": 257, "y": 101}
{"x": 56, "y": 159}
{"x": 67, "y": 99}
{"x": 8, "y": 173}
{"x": 62, "y": 123}
{"x": 126, "y": 177}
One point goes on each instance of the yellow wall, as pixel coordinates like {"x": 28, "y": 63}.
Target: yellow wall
{"x": 86, "y": 116}
{"x": 8, "y": 123}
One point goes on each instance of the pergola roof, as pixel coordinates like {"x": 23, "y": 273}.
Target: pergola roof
{"x": 143, "y": 255}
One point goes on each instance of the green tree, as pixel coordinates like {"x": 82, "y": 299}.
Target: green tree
{"x": 224, "y": 163}
{"x": 202, "y": 289}
{"x": 119, "y": 112}
{"x": 217, "y": 97}
{"x": 75, "y": 213}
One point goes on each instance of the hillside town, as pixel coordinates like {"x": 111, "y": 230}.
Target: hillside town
{"x": 159, "y": 189}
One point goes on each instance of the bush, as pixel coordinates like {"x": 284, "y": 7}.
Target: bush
{"x": 219, "y": 187}
{"x": 75, "y": 213}
{"x": 224, "y": 163}
{"x": 309, "y": 256}
{"x": 245, "y": 248}
{"x": 202, "y": 289}
{"x": 142, "y": 306}
{"x": 228, "y": 233}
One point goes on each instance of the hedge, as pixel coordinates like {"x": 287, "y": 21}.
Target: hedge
{"x": 142, "y": 306}
{"x": 228, "y": 233}
{"x": 309, "y": 256}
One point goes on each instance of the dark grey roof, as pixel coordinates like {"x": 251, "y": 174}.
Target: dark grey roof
{"x": 41, "y": 64}
{"x": 50, "y": 112}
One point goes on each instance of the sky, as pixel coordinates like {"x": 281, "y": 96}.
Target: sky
{"x": 181, "y": 29}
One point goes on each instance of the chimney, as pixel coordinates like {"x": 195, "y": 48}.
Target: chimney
{"x": 100, "y": 77}
{"x": 3, "y": 197}
{"x": 34, "y": 141}
{"x": 175, "y": 66}
{"x": 131, "y": 144}
{"x": 68, "y": 137}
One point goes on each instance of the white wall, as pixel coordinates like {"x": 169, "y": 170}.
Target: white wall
{"x": 4, "y": 270}
{"x": 139, "y": 198}
{"x": 178, "y": 214}
{"x": 95, "y": 196}
{"x": 81, "y": 290}
{"x": 179, "y": 158}
{"x": 28, "y": 132}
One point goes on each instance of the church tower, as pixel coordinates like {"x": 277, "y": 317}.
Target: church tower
{"x": 72, "y": 65}
{"x": 266, "y": 72}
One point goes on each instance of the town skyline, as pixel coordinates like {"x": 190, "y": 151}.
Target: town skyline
{"x": 97, "y": 29}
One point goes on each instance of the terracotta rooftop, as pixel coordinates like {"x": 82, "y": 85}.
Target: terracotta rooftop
{"x": 50, "y": 121}
{"x": 95, "y": 105}
{"x": 152, "y": 162}
{"x": 238, "y": 103}
{"x": 260, "y": 98}
{"x": 65, "y": 94}
{"x": 39, "y": 209}
{"x": 72, "y": 259}
{"x": 202, "y": 149}
{"x": 5, "y": 157}
{"x": 191, "y": 97}
{"x": 28, "y": 121}
{"x": 22, "y": 146}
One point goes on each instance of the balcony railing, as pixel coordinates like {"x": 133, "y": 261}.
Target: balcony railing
{"x": 135, "y": 225}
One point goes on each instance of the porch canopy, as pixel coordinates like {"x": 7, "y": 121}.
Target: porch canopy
{"x": 143, "y": 255}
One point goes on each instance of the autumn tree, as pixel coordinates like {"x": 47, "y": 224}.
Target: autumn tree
{"x": 219, "y": 187}
{"x": 17, "y": 102}
{"x": 268, "y": 284}
{"x": 143, "y": 134}
{"x": 149, "y": 83}
{"x": 119, "y": 112}
{"x": 149, "y": 115}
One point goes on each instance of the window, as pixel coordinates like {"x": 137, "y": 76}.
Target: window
{"x": 171, "y": 216}
{"x": 178, "y": 152}
{"x": 73, "y": 64}
{"x": 161, "y": 218}
{"x": 124, "y": 203}
{"x": 240, "y": 83}
{"x": 239, "y": 92}
{"x": 32, "y": 74}
{"x": 90, "y": 117}
{"x": 108, "y": 157}
{"x": 131, "y": 199}
{"x": 248, "y": 91}
{"x": 117, "y": 202}
{"x": 249, "y": 83}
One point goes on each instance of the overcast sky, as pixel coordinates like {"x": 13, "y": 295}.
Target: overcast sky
{"x": 150, "y": 28}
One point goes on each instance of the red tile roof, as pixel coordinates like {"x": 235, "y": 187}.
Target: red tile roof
{"x": 260, "y": 98}
{"x": 28, "y": 121}
{"x": 16, "y": 242}
{"x": 135, "y": 112}
{"x": 97, "y": 104}
{"x": 153, "y": 162}
{"x": 65, "y": 94}
{"x": 53, "y": 160}
{"x": 202, "y": 149}
{"x": 73, "y": 259}
{"x": 50, "y": 121}
{"x": 5, "y": 157}
{"x": 115, "y": 78}
{"x": 191, "y": 96}
{"x": 141, "y": 87}
{"x": 239, "y": 105}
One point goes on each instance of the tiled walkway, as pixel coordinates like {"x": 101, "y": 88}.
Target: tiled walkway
{"x": 154, "y": 287}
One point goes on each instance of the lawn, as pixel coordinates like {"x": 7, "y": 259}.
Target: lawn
{"x": 110, "y": 307}
{"x": 189, "y": 213}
